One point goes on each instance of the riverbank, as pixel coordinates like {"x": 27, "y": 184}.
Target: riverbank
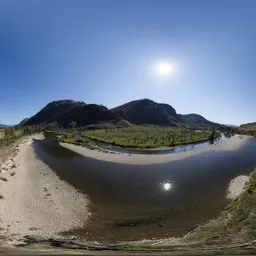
{"x": 237, "y": 186}
{"x": 34, "y": 201}
{"x": 232, "y": 143}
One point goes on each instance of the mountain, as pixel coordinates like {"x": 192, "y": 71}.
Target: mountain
{"x": 63, "y": 112}
{"x": 231, "y": 125}
{"x": 24, "y": 121}
{"x": 145, "y": 111}
{"x": 149, "y": 112}
{"x": 249, "y": 126}
{"x": 3, "y": 126}
{"x": 197, "y": 121}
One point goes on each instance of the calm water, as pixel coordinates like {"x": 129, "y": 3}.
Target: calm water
{"x": 130, "y": 202}
{"x": 177, "y": 149}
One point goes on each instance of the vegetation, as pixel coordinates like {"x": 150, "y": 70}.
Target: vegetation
{"x": 10, "y": 135}
{"x": 77, "y": 139}
{"x": 140, "y": 136}
{"x": 248, "y": 129}
{"x": 1, "y": 196}
{"x": 237, "y": 223}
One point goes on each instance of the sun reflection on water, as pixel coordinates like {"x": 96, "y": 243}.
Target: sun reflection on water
{"x": 167, "y": 186}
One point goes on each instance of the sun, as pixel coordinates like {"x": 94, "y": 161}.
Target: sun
{"x": 164, "y": 68}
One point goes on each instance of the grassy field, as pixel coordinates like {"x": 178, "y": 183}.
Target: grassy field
{"x": 146, "y": 136}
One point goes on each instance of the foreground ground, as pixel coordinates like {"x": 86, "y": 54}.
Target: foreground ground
{"x": 35, "y": 202}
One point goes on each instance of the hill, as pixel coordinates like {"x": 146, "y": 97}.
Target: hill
{"x": 197, "y": 121}
{"x": 249, "y": 126}
{"x": 3, "y": 126}
{"x": 249, "y": 129}
{"x": 63, "y": 112}
{"x": 149, "y": 112}
{"x": 139, "y": 112}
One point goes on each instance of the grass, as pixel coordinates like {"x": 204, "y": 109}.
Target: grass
{"x": 147, "y": 136}
{"x": 237, "y": 222}
{"x": 129, "y": 246}
{"x": 78, "y": 140}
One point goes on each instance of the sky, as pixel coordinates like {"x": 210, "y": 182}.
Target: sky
{"x": 105, "y": 52}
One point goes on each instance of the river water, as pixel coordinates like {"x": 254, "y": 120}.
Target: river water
{"x": 131, "y": 202}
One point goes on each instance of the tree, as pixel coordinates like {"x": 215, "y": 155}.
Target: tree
{"x": 73, "y": 125}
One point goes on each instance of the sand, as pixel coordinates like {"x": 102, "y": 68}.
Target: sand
{"x": 36, "y": 201}
{"x": 232, "y": 143}
{"x": 236, "y": 186}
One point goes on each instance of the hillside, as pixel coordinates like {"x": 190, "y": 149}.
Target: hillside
{"x": 63, "y": 112}
{"x": 138, "y": 112}
{"x": 249, "y": 129}
{"x": 249, "y": 126}
{"x": 149, "y": 112}
{"x": 196, "y": 121}
{"x": 3, "y": 126}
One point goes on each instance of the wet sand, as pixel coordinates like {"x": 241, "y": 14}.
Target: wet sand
{"x": 36, "y": 201}
{"x": 230, "y": 144}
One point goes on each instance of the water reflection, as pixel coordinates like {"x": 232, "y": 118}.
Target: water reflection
{"x": 167, "y": 185}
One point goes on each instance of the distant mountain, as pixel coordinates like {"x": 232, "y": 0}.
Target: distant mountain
{"x": 149, "y": 112}
{"x": 197, "y": 121}
{"x": 231, "y": 125}
{"x": 63, "y": 112}
{"x": 145, "y": 111}
{"x": 249, "y": 126}
{"x": 3, "y": 126}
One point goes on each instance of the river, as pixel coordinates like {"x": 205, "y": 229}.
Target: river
{"x": 131, "y": 202}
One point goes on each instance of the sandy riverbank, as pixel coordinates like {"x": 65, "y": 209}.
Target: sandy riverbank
{"x": 236, "y": 186}
{"x": 232, "y": 143}
{"x": 36, "y": 201}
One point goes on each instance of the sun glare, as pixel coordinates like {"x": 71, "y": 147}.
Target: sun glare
{"x": 164, "y": 68}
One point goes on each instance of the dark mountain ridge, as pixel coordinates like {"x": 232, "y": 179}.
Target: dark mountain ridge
{"x": 149, "y": 112}
{"x": 138, "y": 112}
{"x": 63, "y": 112}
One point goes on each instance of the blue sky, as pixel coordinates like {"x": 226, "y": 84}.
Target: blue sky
{"x": 103, "y": 51}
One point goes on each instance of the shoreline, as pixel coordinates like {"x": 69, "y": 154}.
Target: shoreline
{"x": 35, "y": 201}
{"x": 230, "y": 144}
{"x": 164, "y": 148}
{"x": 236, "y": 186}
